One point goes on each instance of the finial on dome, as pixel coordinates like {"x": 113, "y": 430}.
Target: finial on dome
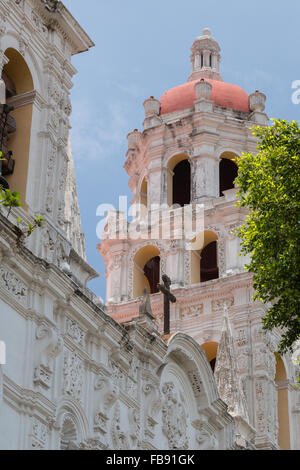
{"x": 205, "y": 58}
{"x": 206, "y": 32}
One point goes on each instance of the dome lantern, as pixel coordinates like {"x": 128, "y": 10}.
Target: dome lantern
{"x": 205, "y": 57}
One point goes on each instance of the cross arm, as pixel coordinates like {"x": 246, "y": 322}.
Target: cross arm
{"x": 166, "y": 292}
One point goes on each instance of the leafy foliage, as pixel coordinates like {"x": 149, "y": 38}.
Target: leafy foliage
{"x": 9, "y": 200}
{"x": 269, "y": 186}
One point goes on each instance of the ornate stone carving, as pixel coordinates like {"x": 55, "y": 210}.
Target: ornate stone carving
{"x": 135, "y": 426}
{"x": 226, "y": 373}
{"x": 187, "y": 268}
{"x": 73, "y": 375}
{"x": 74, "y": 331}
{"x": 205, "y": 436}
{"x": 219, "y": 304}
{"x": 13, "y": 285}
{"x": 51, "y": 5}
{"x": 108, "y": 393}
{"x": 241, "y": 339}
{"x": 39, "y": 434}
{"x": 191, "y": 311}
{"x": 48, "y": 347}
{"x": 174, "y": 417}
{"x": 221, "y": 257}
{"x": 92, "y": 444}
{"x": 119, "y": 437}
{"x": 196, "y": 382}
{"x": 38, "y": 23}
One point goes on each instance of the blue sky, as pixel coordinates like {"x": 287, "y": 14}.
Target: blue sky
{"x": 142, "y": 49}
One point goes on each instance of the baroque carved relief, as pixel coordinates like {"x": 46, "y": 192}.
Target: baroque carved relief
{"x": 174, "y": 417}
{"x": 191, "y": 311}
{"x": 73, "y": 375}
{"x": 119, "y": 438}
{"x": 13, "y": 285}
{"x": 74, "y": 331}
{"x": 39, "y": 434}
{"x": 219, "y": 304}
{"x": 48, "y": 347}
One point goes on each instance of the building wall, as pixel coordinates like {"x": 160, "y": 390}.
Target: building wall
{"x": 74, "y": 377}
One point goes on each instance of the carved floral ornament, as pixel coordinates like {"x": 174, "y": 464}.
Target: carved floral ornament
{"x": 13, "y": 285}
{"x": 191, "y": 311}
{"x": 40, "y": 432}
{"x": 219, "y": 304}
{"x": 174, "y": 417}
{"x": 73, "y": 375}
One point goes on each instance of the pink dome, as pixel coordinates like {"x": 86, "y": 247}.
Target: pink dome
{"x": 223, "y": 94}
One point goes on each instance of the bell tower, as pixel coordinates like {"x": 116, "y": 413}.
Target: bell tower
{"x": 187, "y": 154}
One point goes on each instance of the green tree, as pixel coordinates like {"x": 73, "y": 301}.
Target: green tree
{"x": 269, "y": 186}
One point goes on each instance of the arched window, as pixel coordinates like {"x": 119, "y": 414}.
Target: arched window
{"x": 208, "y": 264}
{"x": 179, "y": 180}
{"x": 182, "y": 183}
{"x": 146, "y": 270}
{"x": 19, "y": 83}
{"x": 228, "y": 172}
{"x": 283, "y": 405}
{"x": 211, "y": 350}
{"x": 204, "y": 261}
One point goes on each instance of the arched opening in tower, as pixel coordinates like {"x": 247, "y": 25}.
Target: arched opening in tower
{"x": 151, "y": 271}
{"x": 209, "y": 264}
{"x": 211, "y": 349}
{"x": 282, "y": 405}
{"x": 182, "y": 183}
{"x": 228, "y": 172}
{"x": 146, "y": 270}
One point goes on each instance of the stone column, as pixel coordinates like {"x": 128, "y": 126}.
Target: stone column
{"x": 175, "y": 263}
{"x": 205, "y": 178}
{"x": 206, "y": 58}
{"x": 155, "y": 185}
{"x": 264, "y": 391}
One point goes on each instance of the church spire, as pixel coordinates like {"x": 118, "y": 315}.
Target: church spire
{"x": 205, "y": 57}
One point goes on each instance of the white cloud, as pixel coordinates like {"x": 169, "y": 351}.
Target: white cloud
{"x": 98, "y": 132}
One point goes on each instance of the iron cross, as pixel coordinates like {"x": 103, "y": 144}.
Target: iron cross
{"x": 168, "y": 296}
